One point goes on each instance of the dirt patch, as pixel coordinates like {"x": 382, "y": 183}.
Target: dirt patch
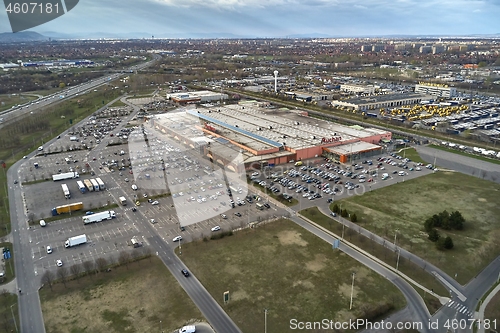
{"x": 289, "y": 237}
{"x": 345, "y": 290}
{"x": 239, "y": 295}
{"x": 232, "y": 269}
{"x": 125, "y": 300}
{"x": 317, "y": 264}
{"x": 303, "y": 284}
{"x": 482, "y": 199}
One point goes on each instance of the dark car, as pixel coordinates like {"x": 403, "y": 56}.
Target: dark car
{"x": 237, "y": 214}
{"x": 134, "y": 209}
{"x": 185, "y": 272}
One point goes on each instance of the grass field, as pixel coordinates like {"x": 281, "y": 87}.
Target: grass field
{"x": 412, "y": 154}
{"x": 292, "y": 273}
{"x": 8, "y": 311}
{"x": 492, "y": 311}
{"x": 8, "y": 101}
{"x": 478, "y": 157}
{"x": 405, "y": 207}
{"x": 118, "y": 103}
{"x": 133, "y": 298}
{"x": 384, "y": 254}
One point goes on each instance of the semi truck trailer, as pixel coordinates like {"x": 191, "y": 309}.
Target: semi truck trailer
{"x": 98, "y": 217}
{"x": 88, "y": 185}
{"x": 81, "y": 186}
{"x": 66, "y": 175}
{"x": 76, "y": 240}
{"x": 65, "y": 189}
{"x": 67, "y": 208}
{"x": 100, "y": 183}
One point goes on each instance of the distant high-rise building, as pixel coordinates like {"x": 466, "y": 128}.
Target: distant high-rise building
{"x": 425, "y": 49}
{"x": 377, "y": 48}
{"x": 366, "y": 48}
{"x": 436, "y": 49}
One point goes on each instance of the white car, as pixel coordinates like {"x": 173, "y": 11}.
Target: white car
{"x": 216, "y": 228}
{"x": 155, "y": 202}
{"x": 59, "y": 263}
{"x": 134, "y": 187}
{"x": 177, "y": 238}
{"x": 49, "y": 249}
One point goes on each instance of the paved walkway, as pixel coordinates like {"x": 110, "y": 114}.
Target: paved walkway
{"x": 484, "y": 304}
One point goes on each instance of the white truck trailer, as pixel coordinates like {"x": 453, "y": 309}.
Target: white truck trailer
{"x": 65, "y": 189}
{"x": 101, "y": 184}
{"x": 95, "y": 184}
{"x": 76, "y": 240}
{"x": 98, "y": 217}
{"x": 66, "y": 175}
{"x": 81, "y": 186}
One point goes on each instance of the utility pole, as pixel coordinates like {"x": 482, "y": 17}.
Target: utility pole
{"x": 352, "y": 289}
{"x": 14, "y": 318}
{"x": 265, "y": 320}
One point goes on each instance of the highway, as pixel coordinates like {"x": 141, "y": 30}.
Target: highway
{"x": 69, "y": 92}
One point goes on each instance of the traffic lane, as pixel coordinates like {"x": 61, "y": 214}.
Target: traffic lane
{"x": 414, "y": 301}
{"x": 212, "y": 311}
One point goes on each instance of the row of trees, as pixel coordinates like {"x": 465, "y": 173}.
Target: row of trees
{"x": 91, "y": 268}
{"x": 344, "y": 213}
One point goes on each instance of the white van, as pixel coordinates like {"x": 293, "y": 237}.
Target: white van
{"x": 401, "y": 173}
{"x": 188, "y": 329}
{"x": 42, "y": 223}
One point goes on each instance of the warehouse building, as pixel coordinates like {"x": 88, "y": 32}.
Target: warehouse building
{"x": 436, "y": 89}
{"x": 357, "y": 88}
{"x": 203, "y": 96}
{"x": 266, "y": 136}
{"x": 377, "y": 102}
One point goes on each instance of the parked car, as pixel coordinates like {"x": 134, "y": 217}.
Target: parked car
{"x": 177, "y": 238}
{"x": 216, "y": 228}
{"x": 59, "y": 263}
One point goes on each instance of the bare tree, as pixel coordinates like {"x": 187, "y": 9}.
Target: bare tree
{"x": 88, "y": 266}
{"x": 62, "y": 274}
{"x": 101, "y": 264}
{"x": 48, "y": 278}
{"x": 124, "y": 258}
{"x": 75, "y": 270}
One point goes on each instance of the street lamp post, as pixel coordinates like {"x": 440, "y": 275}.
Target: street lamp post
{"x": 397, "y": 262}
{"x": 265, "y": 320}
{"x": 352, "y": 289}
{"x": 395, "y": 236}
{"x": 343, "y": 226}
{"x": 180, "y": 246}
{"x": 14, "y": 318}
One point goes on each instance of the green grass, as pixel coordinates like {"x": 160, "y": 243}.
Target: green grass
{"x": 406, "y": 205}
{"x": 9, "y": 271}
{"x": 282, "y": 267}
{"x": 131, "y": 298}
{"x": 381, "y": 252}
{"x": 118, "y": 103}
{"x": 8, "y": 101}
{"x": 492, "y": 311}
{"x": 412, "y": 154}
{"x": 8, "y": 308}
{"x": 477, "y": 157}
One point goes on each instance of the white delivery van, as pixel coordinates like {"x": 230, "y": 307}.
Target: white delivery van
{"x": 188, "y": 329}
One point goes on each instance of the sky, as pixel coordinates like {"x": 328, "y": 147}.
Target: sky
{"x": 276, "y": 18}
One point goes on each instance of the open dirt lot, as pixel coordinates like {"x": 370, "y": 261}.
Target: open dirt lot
{"x": 132, "y": 299}
{"x": 292, "y": 273}
{"x": 405, "y": 207}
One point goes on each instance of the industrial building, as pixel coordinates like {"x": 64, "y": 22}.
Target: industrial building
{"x": 436, "y": 89}
{"x": 357, "y": 88}
{"x": 265, "y": 135}
{"x": 203, "y": 96}
{"x": 380, "y": 101}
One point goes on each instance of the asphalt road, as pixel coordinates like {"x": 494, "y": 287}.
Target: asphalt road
{"x": 460, "y": 163}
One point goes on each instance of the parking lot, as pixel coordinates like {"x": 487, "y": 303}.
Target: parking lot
{"x": 328, "y": 181}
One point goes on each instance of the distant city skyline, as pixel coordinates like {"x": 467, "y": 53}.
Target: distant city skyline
{"x": 275, "y": 18}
